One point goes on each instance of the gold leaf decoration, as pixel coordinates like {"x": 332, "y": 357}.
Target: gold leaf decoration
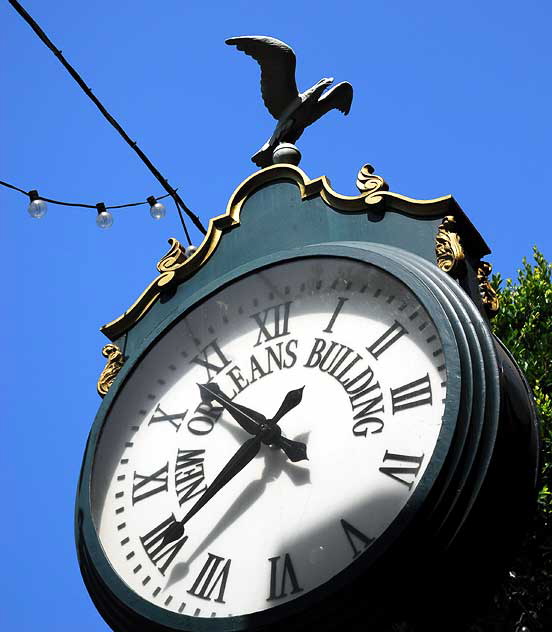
{"x": 174, "y": 258}
{"x": 112, "y": 367}
{"x": 448, "y": 247}
{"x": 175, "y": 268}
{"x": 487, "y": 291}
{"x": 370, "y": 184}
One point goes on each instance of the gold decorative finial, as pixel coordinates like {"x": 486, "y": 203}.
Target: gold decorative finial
{"x": 112, "y": 367}
{"x": 174, "y": 258}
{"x": 368, "y": 183}
{"x": 487, "y": 291}
{"x": 448, "y": 248}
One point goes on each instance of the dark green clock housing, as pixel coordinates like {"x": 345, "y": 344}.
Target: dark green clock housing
{"x": 461, "y": 514}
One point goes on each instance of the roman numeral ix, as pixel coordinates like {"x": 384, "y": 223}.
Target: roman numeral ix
{"x": 146, "y": 486}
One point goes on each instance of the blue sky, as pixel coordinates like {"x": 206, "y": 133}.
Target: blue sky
{"x": 449, "y": 98}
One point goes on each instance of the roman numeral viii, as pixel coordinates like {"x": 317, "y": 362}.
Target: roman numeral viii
{"x": 282, "y": 578}
{"x": 411, "y": 395}
{"x": 160, "y": 544}
{"x": 208, "y": 580}
{"x": 146, "y": 486}
{"x": 400, "y": 472}
{"x": 273, "y": 322}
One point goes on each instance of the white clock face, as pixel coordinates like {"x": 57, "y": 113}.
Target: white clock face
{"x": 373, "y": 370}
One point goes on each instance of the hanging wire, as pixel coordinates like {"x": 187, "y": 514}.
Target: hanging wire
{"x": 79, "y": 204}
{"x": 133, "y": 144}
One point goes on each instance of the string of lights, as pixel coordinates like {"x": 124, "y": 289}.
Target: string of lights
{"x": 179, "y": 203}
{"x": 38, "y": 205}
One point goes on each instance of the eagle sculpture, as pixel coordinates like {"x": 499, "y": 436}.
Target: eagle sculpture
{"x": 293, "y": 110}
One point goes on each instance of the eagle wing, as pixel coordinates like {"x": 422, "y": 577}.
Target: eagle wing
{"x": 277, "y": 62}
{"x": 339, "y": 97}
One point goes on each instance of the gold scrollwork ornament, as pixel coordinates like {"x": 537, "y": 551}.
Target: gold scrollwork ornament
{"x": 370, "y": 184}
{"x": 448, "y": 247}
{"x": 487, "y": 291}
{"x": 115, "y": 361}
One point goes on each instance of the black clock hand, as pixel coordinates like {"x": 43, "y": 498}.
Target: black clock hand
{"x": 291, "y": 400}
{"x": 247, "y": 452}
{"x": 248, "y": 419}
{"x": 254, "y": 423}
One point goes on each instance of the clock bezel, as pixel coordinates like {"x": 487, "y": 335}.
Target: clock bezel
{"x": 86, "y": 534}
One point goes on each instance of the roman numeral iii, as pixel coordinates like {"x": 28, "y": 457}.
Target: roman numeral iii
{"x": 411, "y": 395}
{"x": 273, "y": 322}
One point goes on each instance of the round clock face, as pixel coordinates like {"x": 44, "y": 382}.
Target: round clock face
{"x": 270, "y": 438}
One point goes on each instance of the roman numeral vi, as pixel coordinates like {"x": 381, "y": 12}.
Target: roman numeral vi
{"x": 282, "y": 580}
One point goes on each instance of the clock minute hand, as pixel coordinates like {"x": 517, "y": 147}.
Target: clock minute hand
{"x": 246, "y": 453}
{"x": 248, "y": 419}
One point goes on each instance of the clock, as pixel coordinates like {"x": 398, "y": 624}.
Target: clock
{"x": 303, "y": 433}
{"x": 351, "y": 367}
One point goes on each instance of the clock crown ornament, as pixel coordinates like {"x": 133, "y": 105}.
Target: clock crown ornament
{"x": 308, "y": 408}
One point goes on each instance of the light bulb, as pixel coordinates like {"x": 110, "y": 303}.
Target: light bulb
{"x": 37, "y": 208}
{"x": 157, "y": 210}
{"x": 104, "y": 220}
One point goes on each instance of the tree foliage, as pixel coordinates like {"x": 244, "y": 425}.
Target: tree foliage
{"x": 524, "y": 323}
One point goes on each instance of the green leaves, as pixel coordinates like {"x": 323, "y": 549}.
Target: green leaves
{"x": 524, "y": 324}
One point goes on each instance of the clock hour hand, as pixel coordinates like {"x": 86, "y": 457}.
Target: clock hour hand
{"x": 246, "y": 453}
{"x": 291, "y": 400}
{"x": 256, "y": 423}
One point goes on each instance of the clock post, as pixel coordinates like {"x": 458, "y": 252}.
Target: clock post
{"x": 307, "y": 420}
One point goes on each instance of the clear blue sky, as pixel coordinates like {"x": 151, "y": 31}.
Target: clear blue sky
{"x": 449, "y": 98}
